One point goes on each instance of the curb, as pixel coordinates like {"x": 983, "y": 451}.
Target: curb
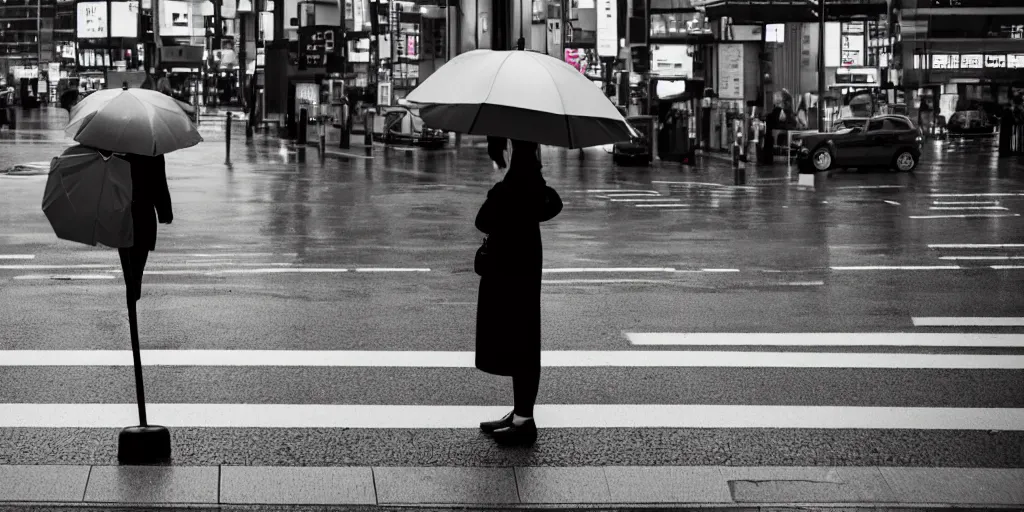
{"x": 712, "y": 488}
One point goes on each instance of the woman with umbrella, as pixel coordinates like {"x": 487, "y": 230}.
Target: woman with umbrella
{"x": 530, "y": 99}
{"x": 508, "y": 314}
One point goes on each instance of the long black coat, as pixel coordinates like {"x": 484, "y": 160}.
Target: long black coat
{"x": 151, "y": 199}
{"x": 508, "y": 309}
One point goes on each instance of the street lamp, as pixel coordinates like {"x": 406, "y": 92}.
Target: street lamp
{"x": 821, "y": 66}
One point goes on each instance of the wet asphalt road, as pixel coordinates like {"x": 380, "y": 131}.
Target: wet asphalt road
{"x": 233, "y": 272}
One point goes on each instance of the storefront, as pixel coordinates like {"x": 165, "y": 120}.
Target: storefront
{"x": 107, "y": 34}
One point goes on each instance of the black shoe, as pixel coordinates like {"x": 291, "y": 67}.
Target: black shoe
{"x": 516, "y": 435}
{"x": 491, "y": 426}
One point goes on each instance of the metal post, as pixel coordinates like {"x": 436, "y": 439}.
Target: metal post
{"x": 821, "y": 66}
{"x": 227, "y": 137}
{"x": 303, "y": 126}
{"x": 368, "y": 130}
{"x": 322, "y": 131}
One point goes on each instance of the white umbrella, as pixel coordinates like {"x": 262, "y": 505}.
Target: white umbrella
{"x": 520, "y": 95}
{"x": 138, "y": 121}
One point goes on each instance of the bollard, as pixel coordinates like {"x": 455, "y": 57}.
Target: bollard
{"x": 322, "y": 130}
{"x": 346, "y": 128}
{"x": 368, "y": 130}
{"x": 303, "y": 126}
{"x": 227, "y": 138}
{"x": 739, "y": 171}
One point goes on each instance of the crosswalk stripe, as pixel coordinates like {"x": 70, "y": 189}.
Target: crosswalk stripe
{"x": 17, "y": 256}
{"x": 831, "y": 339}
{"x": 968, "y": 321}
{"x": 549, "y": 359}
{"x": 547, "y": 416}
{"x": 974, "y": 246}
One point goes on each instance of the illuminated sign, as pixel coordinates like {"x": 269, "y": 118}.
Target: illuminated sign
{"x": 92, "y": 20}
{"x": 945, "y": 62}
{"x": 1015, "y": 60}
{"x": 995, "y": 61}
{"x": 972, "y": 61}
{"x": 607, "y": 28}
{"x": 124, "y": 19}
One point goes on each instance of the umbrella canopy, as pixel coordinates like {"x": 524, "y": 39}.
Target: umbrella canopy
{"x": 88, "y": 198}
{"x": 519, "y": 95}
{"x": 138, "y": 121}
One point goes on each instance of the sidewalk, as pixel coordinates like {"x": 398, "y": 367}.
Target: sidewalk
{"x": 717, "y": 488}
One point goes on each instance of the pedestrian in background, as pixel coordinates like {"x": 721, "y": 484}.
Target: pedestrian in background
{"x": 151, "y": 202}
{"x": 508, "y": 311}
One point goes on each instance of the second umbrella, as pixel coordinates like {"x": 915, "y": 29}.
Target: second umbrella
{"x": 136, "y": 121}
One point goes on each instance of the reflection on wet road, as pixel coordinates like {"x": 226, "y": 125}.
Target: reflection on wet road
{"x": 370, "y": 255}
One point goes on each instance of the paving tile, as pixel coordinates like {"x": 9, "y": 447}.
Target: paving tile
{"x": 153, "y": 484}
{"x": 666, "y": 484}
{"x": 958, "y": 486}
{"x": 296, "y": 486}
{"x": 563, "y": 485}
{"x": 43, "y": 483}
{"x": 806, "y": 485}
{"x": 445, "y": 485}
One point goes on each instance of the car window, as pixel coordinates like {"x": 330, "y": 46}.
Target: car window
{"x": 875, "y": 125}
{"x": 895, "y": 125}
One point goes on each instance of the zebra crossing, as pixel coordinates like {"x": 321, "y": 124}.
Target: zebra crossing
{"x": 829, "y": 352}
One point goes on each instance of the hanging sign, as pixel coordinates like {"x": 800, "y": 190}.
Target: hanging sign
{"x": 317, "y": 46}
{"x": 124, "y": 19}
{"x": 607, "y": 28}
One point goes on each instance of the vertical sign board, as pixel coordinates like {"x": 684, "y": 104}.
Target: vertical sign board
{"x": 124, "y": 19}
{"x": 730, "y": 71}
{"x": 607, "y": 28}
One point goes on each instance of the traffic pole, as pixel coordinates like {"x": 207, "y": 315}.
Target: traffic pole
{"x": 739, "y": 171}
{"x": 227, "y": 138}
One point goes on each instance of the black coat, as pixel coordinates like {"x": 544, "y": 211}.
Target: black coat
{"x": 508, "y": 309}
{"x": 151, "y": 199}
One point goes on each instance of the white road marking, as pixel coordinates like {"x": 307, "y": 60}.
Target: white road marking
{"x": 240, "y": 254}
{"x": 806, "y": 283}
{"x": 720, "y": 270}
{"x": 1007, "y": 267}
{"x": 605, "y": 281}
{"x": 611, "y": 190}
{"x": 991, "y": 194}
{"x": 871, "y": 186}
{"x": 53, "y": 267}
{"x": 967, "y": 321}
{"x": 392, "y": 270}
{"x": 981, "y": 257}
{"x": 663, "y": 205}
{"x": 84, "y": 277}
{"x": 548, "y": 416}
{"x": 645, "y": 200}
{"x": 901, "y": 267}
{"x": 968, "y": 208}
{"x": 891, "y": 202}
{"x": 607, "y": 269}
{"x": 966, "y": 202}
{"x": 967, "y": 216}
{"x": 974, "y": 246}
{"x": 549, "y": 359}
{"x": 636, "y": 194}
{"x": 277, "y": 271}
{"x": 689, "y": 183}
{"x": 17, "y": 256}
{"x": 829, "y": 339}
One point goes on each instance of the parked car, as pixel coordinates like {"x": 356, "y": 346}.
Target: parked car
{"x": 403, "y": 125}
{"x": 638, "y": 148}
{"x": 971, "y": 121}
{"x": 891, "y": 141}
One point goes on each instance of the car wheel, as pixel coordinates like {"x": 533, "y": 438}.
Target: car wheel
{"x": 905, "y": 161}
{"x": 821, "y": 159}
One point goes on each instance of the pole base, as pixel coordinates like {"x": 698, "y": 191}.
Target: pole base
{"x": 144, "y": 445}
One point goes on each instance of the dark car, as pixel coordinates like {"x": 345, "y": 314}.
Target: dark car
{"x": 972, "y": 121}
{"x": 402, "y": 124}
{"x": 884, "y": 141}
{"x": 638, "y": 147}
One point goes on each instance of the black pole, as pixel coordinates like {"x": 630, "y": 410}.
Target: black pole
{"x": 145, "y": 443}
{"x": 227, "y": 138}
{"x": 821, "y": 66}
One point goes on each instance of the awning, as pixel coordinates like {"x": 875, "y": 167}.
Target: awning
{"x": 792, "y": 11}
